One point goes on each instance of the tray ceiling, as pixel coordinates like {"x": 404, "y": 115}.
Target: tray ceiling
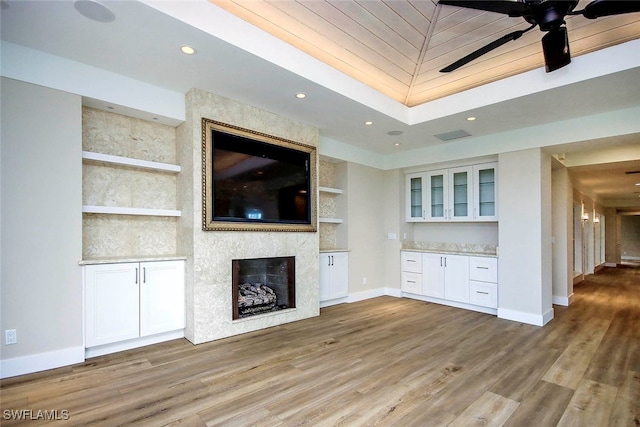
{"x": 397, "y": 47}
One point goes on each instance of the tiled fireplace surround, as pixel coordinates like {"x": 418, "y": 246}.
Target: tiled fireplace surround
{"x": 210, "y": 253}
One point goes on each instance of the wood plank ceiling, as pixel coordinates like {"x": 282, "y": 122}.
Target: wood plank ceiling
{"x": 398, "y": 46}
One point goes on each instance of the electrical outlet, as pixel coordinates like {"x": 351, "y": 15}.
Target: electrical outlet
{"x": 10, "y": 336}
{"x": 364, "y": 280}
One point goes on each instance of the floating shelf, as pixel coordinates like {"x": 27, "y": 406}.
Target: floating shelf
{"x": 330, "y": 220}
{"x": 330, "y": 190}
{"x": 115, "y": 210}
{"x": 127, "y": 161}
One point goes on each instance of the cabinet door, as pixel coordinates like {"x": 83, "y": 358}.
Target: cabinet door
{"x": 460, "y": 194}
{"x": 162, "y": 298}
{"x": 334, "y": 271}
{"x": 437, "y": 195}
{"x": 485, "y": 192}
{"x": 325, "y": 276}
{"x": 456, "y": 282}
{"x": 433, "y": 275}
{"x": 415, "y": 197}
{"x": 340, "y": 274}
{"x": 111, "y": 303}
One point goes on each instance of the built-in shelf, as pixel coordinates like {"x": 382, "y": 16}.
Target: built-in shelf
{"x": 330, "y": 220}
{"x": 127, "y": 161}
{"x": 116, "y": 210}
{"x": 330, "y": 190}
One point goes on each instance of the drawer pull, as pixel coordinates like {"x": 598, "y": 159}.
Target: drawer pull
{"x": 483, "y": 268}
{"x": 411, "y": 281}
{"x": 483, "y": 293}
{"x": 411, "y": 260}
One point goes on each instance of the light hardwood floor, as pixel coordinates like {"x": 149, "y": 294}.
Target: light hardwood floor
{"x": 384, "y": 361}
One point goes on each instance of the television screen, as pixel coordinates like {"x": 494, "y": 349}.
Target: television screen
{"x": 254, "y": 181}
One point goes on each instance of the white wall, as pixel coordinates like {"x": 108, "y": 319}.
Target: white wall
{"x": 41, "y": 227}
{"x": 484, "y": 233}
{"x": 366, "y": 225}
{"x": 524, "y": 264}
{"x": 562, "y": 204}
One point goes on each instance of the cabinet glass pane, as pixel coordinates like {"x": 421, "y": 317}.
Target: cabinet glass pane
{"x": 487, "y": 192}
{"x": 416, "y": 197}
{"x": 437, "y": 196}
{"x": 460, "y": 194}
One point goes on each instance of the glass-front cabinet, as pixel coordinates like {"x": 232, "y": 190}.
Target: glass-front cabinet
{"x": 485, "y": 190}
{"x": 415, "y": 197}
{"x": 467, "y": 193}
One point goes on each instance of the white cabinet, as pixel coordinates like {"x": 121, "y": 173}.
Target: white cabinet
{"x": 162, "y": 302}
{"x": 465, "y": 193}
{"x": 483, "y": 274}
{"x": 485, "y": 192}
{"x": 130, "y": 300}
{"x": 111, "y": 303}
{"x": 334, "y": 273}
{"x": 459, "y": 280}
{"x": 446, "y": 276}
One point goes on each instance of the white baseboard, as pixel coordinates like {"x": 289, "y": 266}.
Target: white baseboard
{"x": 41, "y": 362}
{"x": 610, "y": 264}
{"x": 529, "y": 318}
{"x": 480, "y": 309}
{"x": 134, "y": 343}
{"x": 564, "y": 301}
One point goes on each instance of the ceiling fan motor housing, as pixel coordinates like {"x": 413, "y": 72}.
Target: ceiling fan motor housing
{"x": 549, "y": 15}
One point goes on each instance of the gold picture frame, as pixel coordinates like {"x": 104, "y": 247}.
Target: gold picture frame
{"x": 209, "y": 221}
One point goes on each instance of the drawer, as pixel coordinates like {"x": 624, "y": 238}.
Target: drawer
{"x": 483, "y": 294}
{"x": 483, "y": 269}
{"x": 411, "y": 261}
{"x": 411, "y": 282}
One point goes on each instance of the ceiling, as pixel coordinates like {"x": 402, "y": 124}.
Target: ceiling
{"x": 357, "y": 61}
{"x": 398, "y": 47}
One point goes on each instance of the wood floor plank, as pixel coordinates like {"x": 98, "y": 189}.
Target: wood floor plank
{"x": 570, "y": 367}
{"x": 591, "y": 405}
{"x": 381, "y": 362}
{"x": 544, "y": 405}
{"x": 626, "y": 408}
{"x": 489, "y": 410}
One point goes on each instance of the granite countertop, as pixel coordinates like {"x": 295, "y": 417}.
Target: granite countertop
{"x": 121, "y": 259}
{"x": 469, "y": 249}
{"x": 333, "y": 250}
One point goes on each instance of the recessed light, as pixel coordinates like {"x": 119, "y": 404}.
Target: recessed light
{"x": 94, "y": 10}
{"x": 470, "y": 119}
{"x": 397, "y": 144}
{"x": 368, "y": 123}
{"x": 301, "y": 95}
{"x": 187, "y": 50}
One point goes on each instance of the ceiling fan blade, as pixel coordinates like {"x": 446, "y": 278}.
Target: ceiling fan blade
{"x": 485, "y": 49}
{"x": 600, "y": 8}
{"x": 508, "y": 7}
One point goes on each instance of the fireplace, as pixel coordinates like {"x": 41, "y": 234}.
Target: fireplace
{"x": 262, "y": 285}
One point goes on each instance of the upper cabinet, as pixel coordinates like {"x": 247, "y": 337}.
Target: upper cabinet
{"x": 485, "y": 192}
{"x": 466, "y": 193}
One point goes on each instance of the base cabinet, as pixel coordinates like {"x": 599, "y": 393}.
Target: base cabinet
{"x": 130, "y": 300}
{"x": 462, "y": 280}
{"x": 334, "y": 272}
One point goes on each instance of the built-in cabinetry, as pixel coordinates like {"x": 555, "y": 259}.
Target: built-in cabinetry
{"x": 451, "y": 278}
{"x": 334, "y": 268}
{"x": 125, "y": 301}
{"x": 467, "y": 193}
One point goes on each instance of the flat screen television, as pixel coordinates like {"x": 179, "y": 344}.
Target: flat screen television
{"x": 257, "y": 181}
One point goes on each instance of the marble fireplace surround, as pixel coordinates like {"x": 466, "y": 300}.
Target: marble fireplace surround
{"x": 210, "y": 253}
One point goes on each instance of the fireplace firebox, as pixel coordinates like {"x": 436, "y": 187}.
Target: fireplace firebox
{"x": 262, "y": 285}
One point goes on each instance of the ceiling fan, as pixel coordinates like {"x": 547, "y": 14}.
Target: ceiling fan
{"x": 549, "y": 16}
